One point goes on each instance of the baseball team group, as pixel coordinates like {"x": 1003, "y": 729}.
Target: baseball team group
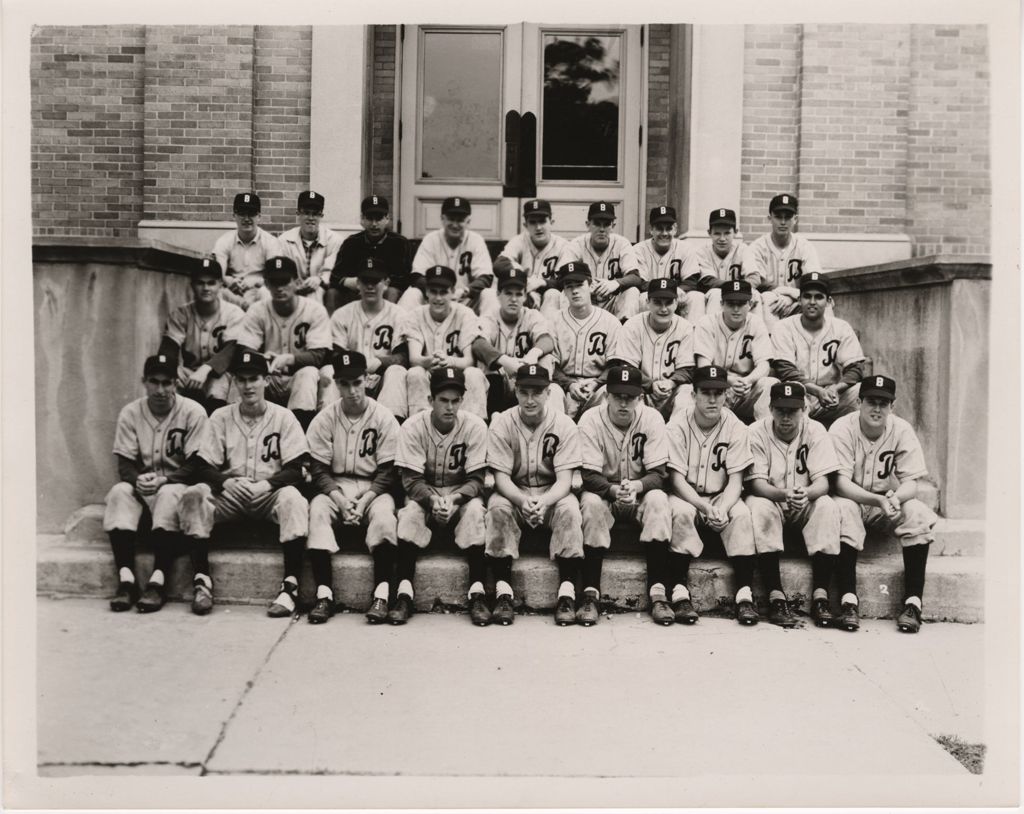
{"x": 341, "y": 388}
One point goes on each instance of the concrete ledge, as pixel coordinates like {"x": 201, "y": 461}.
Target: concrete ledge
{"x": 955, "y": 584}
{"x": 930, "y": 270}
{"x": 141, "y": 253}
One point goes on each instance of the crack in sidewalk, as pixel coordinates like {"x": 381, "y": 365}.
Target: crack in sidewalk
{"x": 241, "y": 699}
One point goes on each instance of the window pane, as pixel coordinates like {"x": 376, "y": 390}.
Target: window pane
{"x": 460, "y": 111}
{"x": 581, "y": 107}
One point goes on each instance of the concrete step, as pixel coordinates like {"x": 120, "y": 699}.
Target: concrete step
{"x": 955, "y": 587}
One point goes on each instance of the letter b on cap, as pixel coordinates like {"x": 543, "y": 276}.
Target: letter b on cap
{"x": 878, "y": 381}
{"x": 789, "y": 390}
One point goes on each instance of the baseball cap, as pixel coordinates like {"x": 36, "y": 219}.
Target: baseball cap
{"x": 533, "y": 375}
{"x": 348, "y": 364}
{"x": 161, "y": 363}
{"x": 663, "y": 214}
{"x": 280, "y": 268}
{"x": 207, "y": 267}
{"x": 711, "y": 377}
{"x": 374, "y": 205}
{"x": 311, "y": 201}
{"x": 625, "y": 379}
{"x": 736, "y": 291}
{"x": 247, "y": 360}
{"x": 440, "y": 274}
{"x": 784, "y": 203}
{"x": 536, "y": 207}
{"x": 574, "y": 271}
{"x": 447, "y": 378}
{"x": 815, "y": 279}
{"x": 662, "y": 288}
{"x": 787, "y": 394}
{"x": 722, "y": 216}
{"x": 878, "y": 386}
{"x": 601, "y": 209}
{"x": 246, "y": 203}
{"x": 512, "y": 277}
{"x": 455, "y": 206}
{"x": 372, "y": 269}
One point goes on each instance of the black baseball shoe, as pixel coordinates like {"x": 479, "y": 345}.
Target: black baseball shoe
{"x": 321, "y": 611}
{"x": 479, "y": 613}
{"x": 565, "y": 613}
{"x": 504, "y": 611}
{"x": 746, "y": 614}
{"x": 910, "y": 620}
{"x": 152, "y": 598}
{"x": 126, "y": 596}
{"x": 378, "y": 612}
{"x": 849, "y": 619}
{"x": 780, "y": 614}
{"x": 821, "y": 613}
{"x": 202, "y": 597}
{"x": 402, "y": 610}
{"x": 684, "y": 611}
{"x": 588, "y": 612}
{"x": 278, "y": 609}
{"x": 662, "y": 613}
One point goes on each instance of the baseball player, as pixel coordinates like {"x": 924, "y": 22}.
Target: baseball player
{"x": 660, "y": 343}
{"x": 536, "y": 250}
{"x": 819, "y": 350}
{"x": 738, "y": 341}
{"x": 197, "y": 333}
{"x": 533, "y": 452}
{"x": 439, "y": 334}
{"x": 880, "y": 463}
{"x": 708, "y": 452}
{"x": 584, "y": 337}
{"x": 376, "y": 240}
{"x": 663, "y": 255}
{"x": 252, "y": 454}
{"x": 368, "y": 326}
{"x": 722, "y": 258}
{"x": 243, "y": 253}
{"x": 624, "y": 458}
{"x": 352, "y": 462}
{"x": 788, "y": 484}
{"x": 442, "y": 458}
{"x": 311, "y": 245}
{"x": 515, "y": 336}
{"x": 294, "y": 333}
{"x": 776, "y": 261}
{"x": 454, "y": 246}
{"x": 611, "y": 260}
{"x": 155, "y": 436}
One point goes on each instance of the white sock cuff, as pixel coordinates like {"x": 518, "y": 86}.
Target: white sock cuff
{"x": 203, "y": 578}
{"x": 567, "y": 589}
{"x": 324, "y": 592}
{"x": 592, "y": 590}
{"x": 382, "y": 591}
{"x": 657, "y": 591}
{"x": 157, "y": 577}
{"x": 819, "y": 593}
{"x": 744, "y": 594}
{"x": 776, "y": 595}
{"x": 475, "y": 588}
{"x": 915, "y": 601}
{"x": 285, "y": 600}
{"x": 680, "y": 592}
{"x": 849, "y": 599}
{"x": 405, "y": 587}
{"x": 126, "y": 575}
{"x": 502, "y": 588}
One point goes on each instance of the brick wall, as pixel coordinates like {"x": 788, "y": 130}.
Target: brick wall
{"x": 771, "y": 120}
{"x": 382, "y": 112}
{"x": 659, "y": 147}
{"x": 87, "y": 126}
{"x": 948, "y": 187}
{"x": 280, "y": 140}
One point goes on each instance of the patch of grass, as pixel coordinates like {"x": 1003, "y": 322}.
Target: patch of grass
{"x": 971, "y": 755}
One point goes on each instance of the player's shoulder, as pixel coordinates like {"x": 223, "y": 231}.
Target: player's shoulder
{"x": 229, "y": 312}
{"x": 756, "y": 324}
{"x": 787, "y": 325}
{"x": 620, "y": 242}
{"x": 707, "y": 322}
{"x": 837, "y": 324}
{"x": 280, "y": 415}
{"x": 348, "y": 311}
{"x": 475, "y": 238}
{"x": 607, "y": 319}
{"x": 382, "y": 414}
{"x": 846, "y": 425}
{"x": 225, "y": 240}
{"x": 190, "y": 407}
{"x": 260, "y": 311}
{"x": 731, "y": 422}
{"x": 681, "y": 325}
{"x": 223, "y": 415}
{"x": 635, "y": 324}
{"x": 309, "y": 307}
{"x": 761, "y": 429}
{"x": 469, "y": 423}
{"x": 649, "y": 416}
{"x": 132, "y": 410}
{"x": 503, "y": 423}
{"x": 901, "y": 428}
{"x": 290, "y": 235}
{"x": 591, "y": 418}
{"x": 814, "y": 430}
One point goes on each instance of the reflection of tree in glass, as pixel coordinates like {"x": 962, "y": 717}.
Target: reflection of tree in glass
{"x": 581, "y": 110}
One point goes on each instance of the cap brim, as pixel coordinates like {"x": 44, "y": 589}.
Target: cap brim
{"x": 663, "y": 219}
{"x": 666, "y": 294}
{"x": 717, "y": 384}
{"x": 788, "y": 402}
{"x": 376, "y": 276}
{"x": 532, "y": 382}
{"x": 517, "y": 284}
{"x": 278, "y": 278}
{"x": 375, "y": 211}
{"x": 349, "y": 373}
{"x": 576, "y": 278}
{"x": 625, "y": 389}
{"x": 874, "y": 391}
{"x": 736, "y": 298}
{"x": 249, "y": 369}
{"x": 437, "y": 388}
{"x": 783, "y": 209}
{"x": 824, "y": 289}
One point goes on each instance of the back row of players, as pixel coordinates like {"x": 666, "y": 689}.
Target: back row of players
{"x": 617, "y": 355}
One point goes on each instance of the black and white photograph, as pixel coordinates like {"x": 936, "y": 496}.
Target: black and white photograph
{"x": 558, "y": 406}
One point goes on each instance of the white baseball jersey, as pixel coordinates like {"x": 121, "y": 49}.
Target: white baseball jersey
{"x": 532, "y": 457}
{"x": 240, "y": 260}
{"x": 677, "y": 263}
{"x": 656, "y": 354}
{"x": 306, "y": 328}
{"x": 444, "y": 459}
{"x": 200, "y": 338}
{"x": 614, "y": 262}
{"x": 768, "y": 266}
{"x": 822, "y": 356}
{"x": 619, "y": 454}
{"x": 256, "y": 451}
{"x": 516, "y": 339}
{"x": 706, "y": 458}
{"x": 738, "y": 351}
{"x": 451, "y": 336}
{"x": 785, "y": 466}
{"x": 880, "y": 465}
{"x": 729, "y": 267}
{"x": 356, "y": 447}
{"x": 319, "y": 259}
{"x": 540, "y": 264}
{"x": 582, "y": 346}
{"x": 469, "y": 260}
{"x": 161, "y": 444}
{"x": 369, "y": 334}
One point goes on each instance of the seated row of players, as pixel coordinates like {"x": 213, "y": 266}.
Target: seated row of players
{"x": 328, "y": 268}
{"x": 813, "y": 347}
{"x": 705, "y": 472}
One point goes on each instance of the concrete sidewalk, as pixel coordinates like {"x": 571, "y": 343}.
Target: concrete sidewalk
{"x": 238, "y": 693}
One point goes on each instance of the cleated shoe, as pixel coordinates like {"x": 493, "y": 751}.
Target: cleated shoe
{"x": 279, "y": 608}
{"x": 662, "y": 613}
{"x": 780, "y": 614}
{"x": 849, "y": 619}
{"x": 321, "y": 611}
{"x": 504, "y": 611}
{"x": 910, "y": 620}
{"x": 152, "y": 598}
{"x": 685, "y": 613}
{"x": 202, "y": 598}
{"x": 402, "y": 610}
{"x": 479, "y": 613}
{"x": 746, "y": 614}
{"x": 565, "y": 613}
{"x": 588, "y": 613}
{"x": 378, "y": 612}
{"x": 126, "y": 596}
{"x": 821, "y": 613}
